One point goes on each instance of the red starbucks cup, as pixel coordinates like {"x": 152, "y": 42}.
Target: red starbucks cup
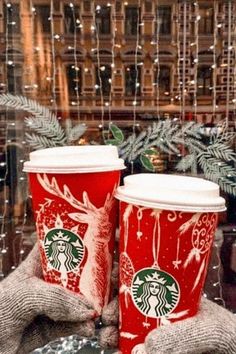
{"x": 167, "y": 226}
{"x": 73, "y": 200}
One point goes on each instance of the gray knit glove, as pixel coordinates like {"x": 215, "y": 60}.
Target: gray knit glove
{"x": 213, "y": 330}
{"x": 34, "y": 312}
{"x": 108, "y": 335}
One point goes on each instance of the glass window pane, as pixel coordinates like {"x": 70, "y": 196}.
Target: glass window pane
{"x": 103, "y": 20}
{"x": 14, "y": 78}
{"x": 42, "y": 18}
{"x": 164, "y": 19}
{"x": 163, "y": 79}
{"x": 71, "y": 19}
{"x": 204, "y": 80}
{"x": 132, "y": 80}
{"x": 12, "y": 18}
{"x": 73, "y": 79}
{"x": 206, "y": 21}
{"x": 131, "y": 20}
{"x": 103, "y": 80}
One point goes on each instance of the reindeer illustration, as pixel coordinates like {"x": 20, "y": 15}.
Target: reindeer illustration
{"x": 95, "y": 277}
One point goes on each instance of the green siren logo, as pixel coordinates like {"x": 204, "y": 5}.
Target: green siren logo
{"x": 64, "y": 249}
{"x": 155, "y": 293}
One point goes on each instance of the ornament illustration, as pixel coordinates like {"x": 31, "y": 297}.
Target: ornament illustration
{"x": 172, "y": 217}
{"x": 156, "y": 234}
{"x": 139, "y": 218}
{"x": 95, "y": 276}
{"x": 126, "y": 266}
{"x": 64, "y": 251}
{"x": 202, "y": 238}
{"x": 155, "y": 293}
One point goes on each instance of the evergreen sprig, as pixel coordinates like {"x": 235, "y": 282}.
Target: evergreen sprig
{"x": 166, "y": 135}
{"x": 216, "y": 158}
{"x": 25, "y": 104}
{"x": 47, "y": 131}
{"x": 40, "y": 142}
{"x": 44, "y": 127}
{"x": 76, "y": 132}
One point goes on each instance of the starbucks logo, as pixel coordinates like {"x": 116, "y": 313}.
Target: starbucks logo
{"x": 155, "y": 293}
{"x": 64, "y": 249}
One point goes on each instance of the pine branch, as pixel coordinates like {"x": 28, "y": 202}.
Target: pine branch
{"x": 195, "y": 145}
{"x": 44, "y": 127}
{"x": 40, "y": 142}
{"x": 216, "y": 166}
{"x": 76, "y": 132}
{"x": 222, "y": 151}
{"x": 44, "y": 122}
{"x": 25, "y": 104}
{"x": 218, "y": 173}
{"x": 167, "y": 136}
{"x": 192, "y": 129}
{"x": 227, "y": 185}
{"x": 186, "y": 162}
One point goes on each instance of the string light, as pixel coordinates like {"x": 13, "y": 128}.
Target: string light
{"x": 76, "y": 61}
{"x": 3, "y": 232}
{"x": 178, "y": 96}
{"x": 228, "y": 62}
{"x": 234, "y": 67}
{"x": 136, "y": 67}
{"x": 157, "y": 62}
{"x": 184, "y": 61}
{"x": 54, "y": 98}
{"x": 113, "y": 46}
{"x": 97, "y": 49}
{"x": 214, "y": 66}
{"x": 195, "y": 80}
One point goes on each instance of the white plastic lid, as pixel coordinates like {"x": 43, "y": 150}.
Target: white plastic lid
{"x": 171, "y": 192}
{"x": 75, "y": 159}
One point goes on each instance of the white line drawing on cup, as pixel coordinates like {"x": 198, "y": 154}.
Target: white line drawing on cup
{"x": 95, "y": 279}
{"x": 139, "y": 218}
{"x": 202, "y": 237}
{"x": 128, "y": 335}
{"x": 172, "y": 216}
{"x": 156, "y": 239}
{"x": 126, "y": 266}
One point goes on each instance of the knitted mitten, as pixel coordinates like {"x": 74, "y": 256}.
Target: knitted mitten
{"x": 212, "y": 330}
{"x": 34, "y": 312}
{"x": 108, "y": 335}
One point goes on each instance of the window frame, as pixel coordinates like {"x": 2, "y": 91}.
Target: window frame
{"x": 204, "y": 20}
{"x": 104, "y": 79}
{"x": 161, "y": 88}
{"x": 70, "y": 79}
{"x": 161, "y": 32}
{"x": 48, "y": 30}
{"x": 205, "y": 90}
{"x": 133, "y": 89}
{"x": 67, "y": 27}
{"x": 12, "y": 29}
{"x": 131, "y": 32}
{"x": 105, "y": 19}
